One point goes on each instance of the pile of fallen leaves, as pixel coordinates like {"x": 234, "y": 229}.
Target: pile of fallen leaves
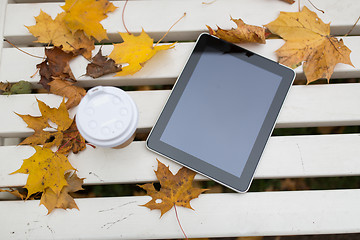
{"x": 72, "y": 33}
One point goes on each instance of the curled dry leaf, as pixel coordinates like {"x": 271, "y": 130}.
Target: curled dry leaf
{"x": 21, "y": 87}
{"x": 135, "y": 51}
{"x": 5, "y": 87}
{"x": 242, "y": 34}
{"x": 64, "y": 200}
{"x": 101, "y": 65}
{"x": 46, "y": 169}
{"x": 55, "y": 32}
{"x": 175, "y": 189}
{"x": 14, "y": 192}
{"x": 56, "y": 64}
{"x": 308, "y": 41}
{"x": 86, "y": 15}
{"x": 67, "y": 89}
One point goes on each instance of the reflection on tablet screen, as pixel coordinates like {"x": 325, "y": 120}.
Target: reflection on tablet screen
{"x": 211, "y": 106}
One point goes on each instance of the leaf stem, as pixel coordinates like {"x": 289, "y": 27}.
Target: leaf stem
{"x": 352, "y": 28}
{"x": 72, "y": 6}
{"x": 177, "y": 217}
{"x": 67, "y": 142}
{"x": 22, "y": 50}
{"x": 170, "y": 29}
{"x": 315, "y": 7}
{"x": 123, "y": 19}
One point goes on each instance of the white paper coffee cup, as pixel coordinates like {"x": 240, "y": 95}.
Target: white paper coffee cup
{"x": 107, "y": 117}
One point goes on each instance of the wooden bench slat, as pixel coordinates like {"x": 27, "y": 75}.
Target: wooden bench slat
{"x": 154, "y": 17}
{"x": 306, "y": 106}
{"x": 290, "y": 156}
{"x": 261, "y": 214}
{"x": 164, "y": 68}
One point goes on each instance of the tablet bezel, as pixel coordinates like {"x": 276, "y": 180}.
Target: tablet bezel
{"x": 242, "y": 183}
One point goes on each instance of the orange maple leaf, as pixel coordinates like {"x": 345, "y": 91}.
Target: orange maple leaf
{"x": 175, "y": 189}
{"x": 46, "y": 169}
{"x": 66, "y": 89}
{"x": 135, "y": 50}
{"x": 86, "y": 15}
{"x": 55, "y": 32}
{"x": 66, "y": 134}
{"x": 64, "y": 200}
{"x": 308, "y": 40}
{"x": 242, "y": 34}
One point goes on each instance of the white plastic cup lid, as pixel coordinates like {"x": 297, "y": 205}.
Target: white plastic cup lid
{"x": 107, "y": 116}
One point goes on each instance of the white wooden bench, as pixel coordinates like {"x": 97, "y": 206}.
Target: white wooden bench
{"x": 216, "y": 215}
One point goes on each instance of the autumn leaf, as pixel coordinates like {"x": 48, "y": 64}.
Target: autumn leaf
{"x": 59, "y": 116}
{"x": 135, "y": 50}
{"x": 67, "y": 89}
{"x": 14, "y": 192}
{"x": 72, "y": 140}
{"x": 86, "y": 15}
{"x": 101, "y": 65}
{"x": 64, "y": 200}
{"x": 55, "y": 65}
{"x": 242, "y": 34}
{"x": 308, "y": 41}
{"x": 55, "y": 32}
{"x": 46, "y": 169}
{"x": 175, "y": 189}
{"x": 5, "y": 87}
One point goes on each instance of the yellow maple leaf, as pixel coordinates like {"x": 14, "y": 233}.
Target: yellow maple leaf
{"x": 175, "y": 189}
{"x": 66, "y": 135}
{"x": 308, "y": 40}
{"x": 135, "y": 51}
{"x": 64, "y": 200}
{"x": 242, "y": 34}
{"x": 55, "y": 32}
{"x": 46, "y": 169}
{"x": 86, "y": 15}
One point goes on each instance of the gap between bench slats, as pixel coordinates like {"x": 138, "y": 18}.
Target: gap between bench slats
{"x": 163, "y": 68}
{"x": 261, "y": 214}
{"x": 156, "y": 17}
{"x": 291, "y": 156}
{"x": 306, "y": 106}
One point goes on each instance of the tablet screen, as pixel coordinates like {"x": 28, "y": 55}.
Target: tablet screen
{"x": 213, "y": 108}
{"x": 221, "y": 112}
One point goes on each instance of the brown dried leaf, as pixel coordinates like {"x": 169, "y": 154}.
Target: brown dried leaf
{"x": 67, "y": 89}
{"x": 5, "y": 86}
{"x": 242, "y": 34}
{"x": 72, "y": 140}
{"x": 101, "y": 65}
{"x": 64, "y": 200}
{"x": 55, "y": 65}
{"x": 175, "y": 189}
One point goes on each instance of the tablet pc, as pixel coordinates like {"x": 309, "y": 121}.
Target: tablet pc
{"x": 221, "y": 112}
